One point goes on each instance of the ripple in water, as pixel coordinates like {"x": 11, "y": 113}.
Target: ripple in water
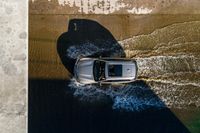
{"x": 131, "y": 97}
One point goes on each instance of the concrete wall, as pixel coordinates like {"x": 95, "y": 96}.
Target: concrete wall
{"x": 13, "y": 65}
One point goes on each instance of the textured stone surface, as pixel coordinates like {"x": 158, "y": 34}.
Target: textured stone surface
{"x": 13, "y": 66}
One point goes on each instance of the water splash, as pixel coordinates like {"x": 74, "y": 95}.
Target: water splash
{"x": 168, "y": 61}
{"x": 130, "y": 97}
{"x": 89, "y": 49}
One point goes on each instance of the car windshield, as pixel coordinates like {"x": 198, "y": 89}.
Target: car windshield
{"x": 99, "y": 70}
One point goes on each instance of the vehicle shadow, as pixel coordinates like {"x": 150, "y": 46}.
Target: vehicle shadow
{"x": 54, "y": 107}
{"x": 88, "y": 38}
{"x": 63, "y": 106}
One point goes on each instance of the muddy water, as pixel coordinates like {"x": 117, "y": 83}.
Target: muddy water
{"x": 169, "y": 61}
{"x": 169, "y": 58}
{"x": 166, "y": 48}
{"x": 44, "y": 31}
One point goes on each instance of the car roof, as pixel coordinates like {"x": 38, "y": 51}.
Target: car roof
{"x": 120, "y": 70}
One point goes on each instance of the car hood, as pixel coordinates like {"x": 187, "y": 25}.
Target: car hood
{"x": 85, "y": 71}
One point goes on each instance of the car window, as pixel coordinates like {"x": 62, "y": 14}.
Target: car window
{"x": 99, "y": 70}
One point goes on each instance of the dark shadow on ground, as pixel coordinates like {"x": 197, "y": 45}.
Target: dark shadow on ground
{"x": 54, "y": 109}
{"x": 87, "y": 38}
{"x": 60, "y": 106}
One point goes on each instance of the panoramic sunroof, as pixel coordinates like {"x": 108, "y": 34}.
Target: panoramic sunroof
{"x": 115, "y": 70}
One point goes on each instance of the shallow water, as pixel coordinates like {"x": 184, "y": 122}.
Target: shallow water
{"x": 132, "y": 97}
{"x": 168, "y": 60}
{"x": 54, "y": 108}
{"x": 167, "y": 54}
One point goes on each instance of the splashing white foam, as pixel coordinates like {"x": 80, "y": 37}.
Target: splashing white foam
{"x": 132, "y": 97}
{"x": 133, "y": 103}
{"x": 159, "y": 65}
{"x": 87, "y": 49}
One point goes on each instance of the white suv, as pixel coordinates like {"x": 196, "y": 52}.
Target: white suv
{"x": 105, "y": 70}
